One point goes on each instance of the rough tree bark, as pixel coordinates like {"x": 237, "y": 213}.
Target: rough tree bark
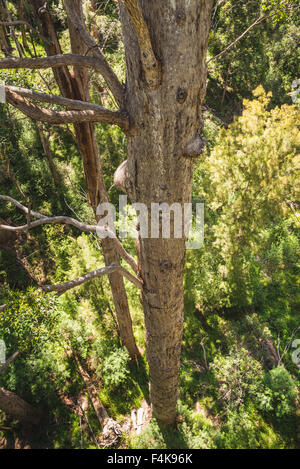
{"x": 16, "y": 407}
{"x": 161, "y": 149}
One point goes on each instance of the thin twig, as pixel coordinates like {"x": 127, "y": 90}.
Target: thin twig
{"x": 257, "y": 21}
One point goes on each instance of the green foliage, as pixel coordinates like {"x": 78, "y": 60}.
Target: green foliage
{"x": 114, "y": 369}
{"x": 280, "y": 9}
{"x": 26, "y": 318}
{"x": 238, "y": 376}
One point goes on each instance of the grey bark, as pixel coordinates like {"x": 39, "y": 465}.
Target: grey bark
{"x": 98, "y": 190}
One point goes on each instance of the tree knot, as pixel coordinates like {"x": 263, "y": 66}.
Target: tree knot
{"x": 181, "y": 95}
{"x": 194, "y": 147}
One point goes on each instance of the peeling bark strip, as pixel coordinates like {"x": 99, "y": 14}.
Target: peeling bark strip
{"x": 161, "y": 152}
{"x": 43, "y": 219}
{"x": 53, "y": 61}
{"x": 151, "y": 65}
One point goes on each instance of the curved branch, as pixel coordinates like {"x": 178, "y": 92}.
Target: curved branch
{"x": 57, "y": 220}
{"x": 101, "y": 231}
{"x": 151, "y": 65}
{"x": 21, "y": 207}
{"x": 60, "y": 100}
{"x": 107, "y": 72}
{"x": 52, "y": 61}
{"x": 66, "y": 117}
{"x": 63, "y": 287}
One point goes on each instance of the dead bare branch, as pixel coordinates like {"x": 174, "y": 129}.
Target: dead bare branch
{"x": 43, "y": 220}
{"x": 60, "y": 100}
{"x": 64, "y": 287}
{"x": 10, "y": 360}
{"x": 202, "y": 343}
{"x": 22, "y": 23}
{"x": 54, "y": 220}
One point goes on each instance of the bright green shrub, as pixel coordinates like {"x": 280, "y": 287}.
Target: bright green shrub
{"x": 238, "y": 377}
{"x": 114, "y": 369}
{"x": 279, "y": 394}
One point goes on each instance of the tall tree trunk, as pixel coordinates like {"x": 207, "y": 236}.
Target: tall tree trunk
{"x": 166, "y": 136}
{"x": 76, "y": 86}
{"x": 13, "y": 405}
